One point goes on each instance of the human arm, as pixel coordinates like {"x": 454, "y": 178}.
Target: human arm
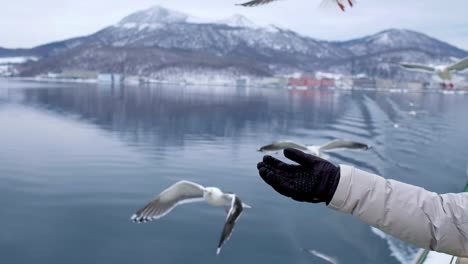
{"x": 426, "y": 219}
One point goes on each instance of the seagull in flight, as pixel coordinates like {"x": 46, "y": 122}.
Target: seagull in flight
{"x": 263, "y": 2}
{"x": 442, "y": 71}
{"x": 315, "y": 149}
{"x": 184, "y": 192}
{"x": 321, "y": 255}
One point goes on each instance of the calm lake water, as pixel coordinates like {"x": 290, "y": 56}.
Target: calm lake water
{"x": 77, "y": 160}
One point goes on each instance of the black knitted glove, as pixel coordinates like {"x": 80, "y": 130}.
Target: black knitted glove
{"x": 315, "y": 180}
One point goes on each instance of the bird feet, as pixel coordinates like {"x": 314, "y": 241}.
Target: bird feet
{"x": 342, "y": 6}
{"x": 447, "y": 85}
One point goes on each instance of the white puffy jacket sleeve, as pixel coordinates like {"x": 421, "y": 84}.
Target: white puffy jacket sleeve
{"x": 413, "y": 214}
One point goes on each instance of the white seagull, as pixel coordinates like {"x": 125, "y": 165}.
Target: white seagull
{"x": 318, "y": 254}
{"x": 442, "y": 71}
{"x": 263, "y": 2}
{"x": 314, "y": 149}
{"x": 414, "y": 113}
{"x": 188, "y": 192}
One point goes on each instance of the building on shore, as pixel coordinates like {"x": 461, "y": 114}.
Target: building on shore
{"x": 270, "y": 82}
{"x": 7, "y": 70}
{"x": 364, "y": 82}
{"x": 411, "y": 85}
{"x": 310, "y": 82}
{"x": 414, "y": 85}
{"x": 111, "y": 78}
{"x": 133, "y": 80}
{"x": 77, "y": 74}
{"x": 384, "y": 84}
{"x": 242, "y": 82}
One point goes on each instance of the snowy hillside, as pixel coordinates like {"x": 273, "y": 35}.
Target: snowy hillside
{"x": 398, "y": 40}
{"x": 149, "y": 41}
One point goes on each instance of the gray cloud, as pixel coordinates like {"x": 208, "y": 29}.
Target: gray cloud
{"x": 27, "y": 23}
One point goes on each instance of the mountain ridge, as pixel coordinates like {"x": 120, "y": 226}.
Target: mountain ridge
{"x": 175, "y": 39}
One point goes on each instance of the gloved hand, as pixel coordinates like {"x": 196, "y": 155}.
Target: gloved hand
{"x": 314, "y": 180}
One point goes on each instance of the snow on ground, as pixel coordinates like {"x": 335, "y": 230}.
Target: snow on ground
{"x": 328, "y": 75}
{"x": 238, "y": 21}
{"x": 15, "y": 60}
{"x": 226, "y": 76}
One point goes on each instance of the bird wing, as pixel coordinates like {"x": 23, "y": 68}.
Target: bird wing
{"x": 232, "y": 216}
{"x": 459, "y": 66}
{"x": 341, "y": 143}
{"x": 179, "y": 193}
{"x": 257, "y": 2}
{"x": 418, "y": 67}
{"x": 279, "y": 145}
{"x": 325, "y": 3}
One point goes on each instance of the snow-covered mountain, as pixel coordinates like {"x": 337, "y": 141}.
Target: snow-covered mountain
{"x": 397, "y": 40}
{"x": 155, "y": 16}
{"x": 380, "y": 54}
{"x": 152, "y": 40}
{"x": 238, "y": 21}
{"x": 159, "y": 27}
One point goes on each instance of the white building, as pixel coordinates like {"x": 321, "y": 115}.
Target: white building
{"x": 111, "y": 78}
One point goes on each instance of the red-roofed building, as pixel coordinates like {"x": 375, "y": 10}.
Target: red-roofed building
{"x": 310, "y": 82}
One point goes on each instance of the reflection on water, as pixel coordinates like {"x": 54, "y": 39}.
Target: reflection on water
{"x": 76, "y": 161}
{"x": 168, "y": 115}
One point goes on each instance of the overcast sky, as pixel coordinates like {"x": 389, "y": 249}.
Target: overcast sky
{"x": 27, "y": 23}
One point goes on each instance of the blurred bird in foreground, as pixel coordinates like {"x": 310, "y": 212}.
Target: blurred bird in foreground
{"x": 340, "y": 3}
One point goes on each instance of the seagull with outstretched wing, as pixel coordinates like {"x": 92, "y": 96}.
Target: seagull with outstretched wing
{"x": 231, "y": 218}
{"x": 417, "y": 67}
{"x": 184, "y": 192}
{"x": 459, "y": 66}
{"x": 315, "y": 149}
{"x": 442, "y": 71}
